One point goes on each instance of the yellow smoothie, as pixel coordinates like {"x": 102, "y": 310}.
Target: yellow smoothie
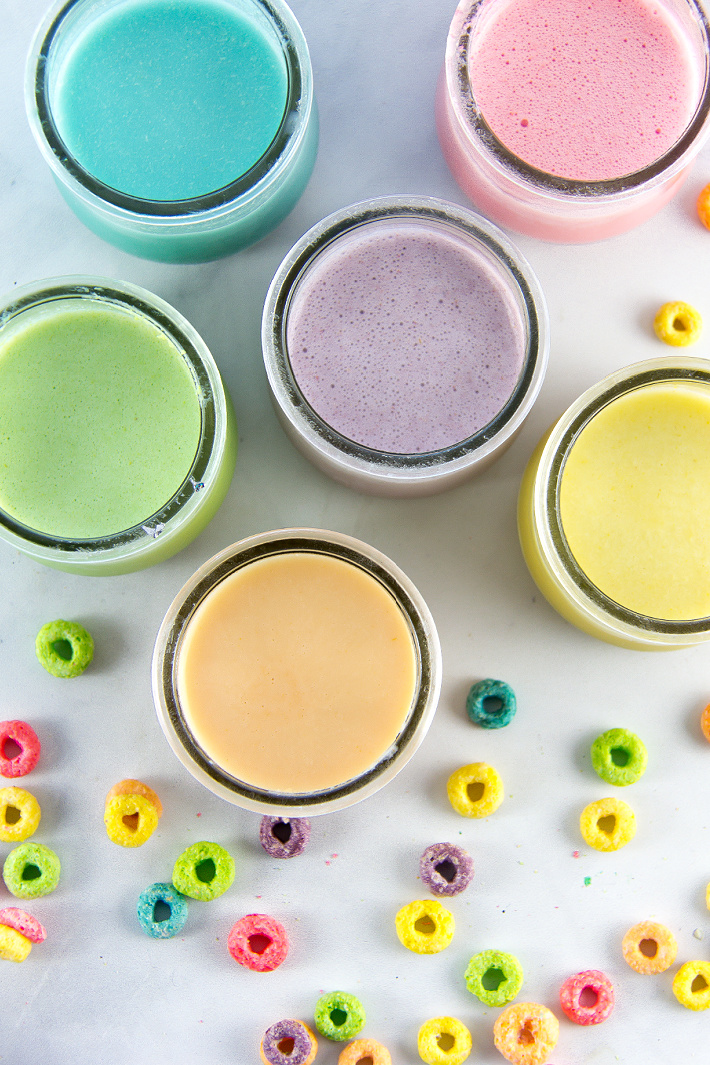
{"x": 635, "y": 500}
{"x": 297, "y": 672}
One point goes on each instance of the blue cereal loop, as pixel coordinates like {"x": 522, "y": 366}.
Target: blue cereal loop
{"x": 491, "y": 703}
{"x": 157, "y": 926}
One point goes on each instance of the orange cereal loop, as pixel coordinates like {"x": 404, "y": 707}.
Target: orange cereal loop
{"x": 136, "y": 787}
{"x": 365, "y": 1050}
{"x": 444, "y": 1041}
{"x": 130, "y": 820}
{"x": 20, "y": 814}
{"x": 649, "y": 948}
{"x": 607, "y": 824}
{"x": 677, "y": 324}
{"x": 691, "y": 985}
{"x": 475, "y": 790}
{"x": 703, "y": 206}
{"x": 705, "y": 722}
{"x": 526, "y": 1033}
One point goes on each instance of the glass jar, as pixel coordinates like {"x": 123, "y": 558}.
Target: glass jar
{"x": 119, "y": 440}
{"x": 263, "y": 619}
{"x": 573, "y": 123}
{"x": 405, "y": 340}
{"x": 615, "y": 503}
{"x": 147, "y": 115}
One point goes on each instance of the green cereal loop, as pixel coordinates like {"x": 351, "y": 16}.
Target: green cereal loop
{"x": 619, "y": 757}
{"x": 491, "y": 704}
{"x": 204, "y": 871}
{"x": 339, "y": 1016}
{"x": 64, "y": 648}
{"x": 31, "y": 870}
{"x": 494, "y": 964}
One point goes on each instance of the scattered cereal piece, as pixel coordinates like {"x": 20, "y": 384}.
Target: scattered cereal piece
{"x": 607, "y": 824}
{"x": 705, "y": 722}
{"x": 284, "y": 837}
{"x": 130, "y": 819}
{"x": 288, "y": 1043}
{"x": 446, "y": 869}
{"x": 20, "y": 814}
{"x": 204, "y": 871}
{"x": 31, "y": 870}
{"x": 698, "y": 933}
{"x": 64, "y": 648}
{"x": 587, "y": 997}
{"x": 339, "y": 1016}
{"x": 703, "y": 206}
{"x": 18, "y": 734}
{"x": 136, "y": 787}
{"x": 152, "y": 906}
{"x": 475, "y": 790}
{"x": 691, "y": 985}
{"x": 491, "y": 704}
{"x": 526, "y": 1033}
{"x": 619, "y": 757}
{"x": 678, "y": 324}
{"x": 258, "y": 942}
{"x": 444, "y": 1041}
{"x": 18, "y": 931}
{"x": 425, "y": 926}
{"x": 649, "y": 947}
{"x": 365, "y": 1050}
{"x": 494, "y": 977}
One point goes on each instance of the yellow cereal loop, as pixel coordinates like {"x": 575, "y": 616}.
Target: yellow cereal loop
{"x": 607, "y": 824}
{"x": 475, "y": 790}
{"x": 19, "y": 815}
{"x": 444, "y": 1041}
{"x": 677, "y": 324}
{"x": 526, "y": 1033}
{"x": 13, "y": 945}
{"x": 425, "y": 926}
{"x": 130, "y": 820}
{"x": 649, "y": 948}
{"x": 691, "y": 985}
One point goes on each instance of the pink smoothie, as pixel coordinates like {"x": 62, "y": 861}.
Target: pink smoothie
{"x": 404, "y": 338}
{"x": 585, "y": 90}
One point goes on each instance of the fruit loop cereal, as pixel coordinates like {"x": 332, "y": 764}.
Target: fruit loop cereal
{"x": 18, "y": 931}
{"x": 446, "y": 869}
{"x": 288, "y": 1043}
{"x": 703, "y": 206}
{"x": 136, "y": 787}
{"x": 64, "y": 648}
{"x": 444, "y": 1041}
{"x": 649, "y": 947}
{"x": 494, "y": 977}
{"x": 162, "y": 911}
{"x": 18, "y": 734}
{"x": 587, "y": 997}
{"x": 130, "y": 820}
{"x": 339, "y": 1016}
{"x": 677, "y": 324}
{"x": 607, "y": 824}
{"x": 691, "y": 985}
{"x": 31, "y": 870}
{"x": 204, "y": 871}
{"x": 365, "y": 1050}
{"x": 20, "y": 814}
{"x": 284, "y": 837}
{"x": 425, "y": 926}
{"x": 526, "y": 1033}
{"x": 705, "y": 722}
{"x": 258, "y": 942}
{"x": 619, "y": 757}
{"x": 491, "y": 704}
{"x": 475, "y": 790}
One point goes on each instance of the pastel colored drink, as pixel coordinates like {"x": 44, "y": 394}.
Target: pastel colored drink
{"x": 108, "y": 419}
{"x": 615, "y": 506}
{"x": 297, "y": 670}
{"x": 181, "y": 115}
{"x": 410, "y": 336}
{"x": 573, "y": 121}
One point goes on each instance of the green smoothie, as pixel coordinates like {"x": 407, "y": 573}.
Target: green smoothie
{"x": 99, "y": 420}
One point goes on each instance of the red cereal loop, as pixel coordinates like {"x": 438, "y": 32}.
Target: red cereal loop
{"x": 587, "y": 997}
{"x": 258, "y": 942}
{"x": 22, "y": 735}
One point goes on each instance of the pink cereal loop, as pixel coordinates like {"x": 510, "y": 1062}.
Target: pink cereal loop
{"x": 600, "y": 989}
{"x": 24, "y": 923}
{"x": 22, "y": 734}
{"x": 258, "y": 942}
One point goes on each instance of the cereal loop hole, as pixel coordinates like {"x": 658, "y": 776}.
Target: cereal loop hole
{"x": 286, "y": 1046}
{"x": 680, "y": 324}
{"x": 447, "y": 869}
{"x": 525, "y": 1035}
{"x": 699, "y": 984}
{"x": 620, "y": 756}
{"x": 365, "y": 1061}
{"x": 258, "y": 943}
{"x": 649, "y": 948}
{"x": 588, "y": 998}
{"x": 607, "y": 824}
{"x": 131, "y": 821}
{"x": 446, "y": 1041}
{"x": 338, "y": 1017}
{"x": 11, "y": 749}
{"x": 31, "y": 872}
{"x": 63, "y": 648}
{"x": 492, "y": 979}
{"x": 493, "y": 704}
{"x": 475, "y": 790}
{"x": 281, "y": 831}
{"x": 162, "y": 911}
{"x": 205, "y": 871}
{"x": 425, "y": 925}
{"x": 12, "y": 815}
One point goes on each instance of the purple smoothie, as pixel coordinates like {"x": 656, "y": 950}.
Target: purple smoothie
{"x": 404, "y": 337}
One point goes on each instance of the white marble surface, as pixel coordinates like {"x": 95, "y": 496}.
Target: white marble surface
{"x": 99, "y": 990}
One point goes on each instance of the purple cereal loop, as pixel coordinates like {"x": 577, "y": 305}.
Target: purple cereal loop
{"x": 302, "y": 1043}
{"x": 438, "y": 861}
{"x": 295, "y": 831}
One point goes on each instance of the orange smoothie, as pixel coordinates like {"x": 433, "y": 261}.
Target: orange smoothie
{"x": 297, "y": 672}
